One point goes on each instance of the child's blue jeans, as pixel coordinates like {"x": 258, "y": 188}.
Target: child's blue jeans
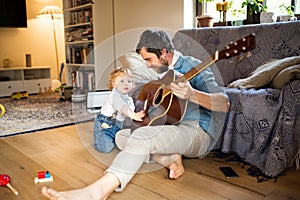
{"x": 105, "y": 129}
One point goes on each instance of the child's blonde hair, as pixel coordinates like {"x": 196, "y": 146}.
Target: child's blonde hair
{"x": 116, "y": 73}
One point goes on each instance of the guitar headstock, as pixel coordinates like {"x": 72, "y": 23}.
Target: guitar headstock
{"x": 243, "y": 45}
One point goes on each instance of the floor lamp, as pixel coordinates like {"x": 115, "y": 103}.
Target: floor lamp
{"x": 55, "y": 13}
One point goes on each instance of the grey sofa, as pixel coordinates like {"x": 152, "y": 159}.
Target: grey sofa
{"x": 263, "y": 124}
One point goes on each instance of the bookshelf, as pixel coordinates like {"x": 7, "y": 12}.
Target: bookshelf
{"x": 79, "y": 43}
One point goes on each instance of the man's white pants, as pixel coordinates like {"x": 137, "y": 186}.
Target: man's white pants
{"x": 187, "y": 139}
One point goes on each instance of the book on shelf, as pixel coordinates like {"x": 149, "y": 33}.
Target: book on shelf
{"x": 90, "y": 54}
{"x": 83, "y": 79}
{"x": 83, "y": 56}
{"x": 87, "y": 38}
{"x": 80, "y": 55}
{"x": 79, "y": 17}
{"x": 75, "y": 3}
{"x": 87, "y": 15}
{"x": 87, "y": 31}
{"x": 79, "y": 34}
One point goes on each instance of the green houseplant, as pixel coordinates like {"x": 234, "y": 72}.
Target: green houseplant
{"x": 254, "y": 8}
{"x": 287, "y": 9}
{"x": 237, "y": 13}
{"x": 288, "y": 12}
{"x": 201, "y": 1}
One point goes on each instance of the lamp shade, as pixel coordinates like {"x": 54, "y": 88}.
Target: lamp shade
{"x": 51, "y": 11}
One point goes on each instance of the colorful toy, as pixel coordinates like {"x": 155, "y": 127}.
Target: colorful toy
{"x": 43, "y": 176}
{"x": 19, "y": 95}
{"x": 4, "y": 182}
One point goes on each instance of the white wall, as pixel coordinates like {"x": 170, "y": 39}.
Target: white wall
{"x": 131, "y": 17}
{"x": 37, "y": 39}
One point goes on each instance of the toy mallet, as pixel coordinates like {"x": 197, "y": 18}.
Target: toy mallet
{"x": 4, "y": 181}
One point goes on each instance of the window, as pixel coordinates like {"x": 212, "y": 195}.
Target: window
{"x": 236, "y": 12}
{"x": 278, "y": 6}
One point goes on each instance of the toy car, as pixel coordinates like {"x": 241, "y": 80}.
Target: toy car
{"x": 19, "y": 95}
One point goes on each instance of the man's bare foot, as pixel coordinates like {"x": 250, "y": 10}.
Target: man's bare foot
{"x": 51, "y": 194}
{"x": 79, "y": 194}
{"x": 173, "y": 162}
{"x": 176, "y": 169}
{"x": 72, "y": 194}
{"x": 100, "y": 189}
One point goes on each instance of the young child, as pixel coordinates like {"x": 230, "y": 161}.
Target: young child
{"x": 116, "y": 108}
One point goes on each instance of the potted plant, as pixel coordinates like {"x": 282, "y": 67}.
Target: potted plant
{"x": 205, "y": 20}
{"x": 268, "y": 17}
{"x": 254, "y": 8}
{"x": 236, "y": 13}
{"x": 289, "y": 12}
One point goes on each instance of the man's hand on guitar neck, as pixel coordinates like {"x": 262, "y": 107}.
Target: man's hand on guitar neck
{"x": 182, "y": 90}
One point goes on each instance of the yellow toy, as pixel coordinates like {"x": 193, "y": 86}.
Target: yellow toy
{"x": 2, "y": 109}
{"x": 19, "y": 95}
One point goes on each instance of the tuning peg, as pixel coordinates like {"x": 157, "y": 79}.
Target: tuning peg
{"x": 240, "y": 57}
{"x": 248, "y": 54}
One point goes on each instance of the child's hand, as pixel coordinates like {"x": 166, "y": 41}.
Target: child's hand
{"x": 138, "y": 116}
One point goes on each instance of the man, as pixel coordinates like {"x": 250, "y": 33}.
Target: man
{"x": 193, "y": 137}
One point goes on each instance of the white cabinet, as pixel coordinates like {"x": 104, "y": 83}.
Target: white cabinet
{"x": 30, "y": 79}
{"x": 36, "y": 86}
{"x": 8, "y": 87}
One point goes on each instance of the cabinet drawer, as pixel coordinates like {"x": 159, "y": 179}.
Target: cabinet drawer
{"x": 36, "y": 86}
{"x": 7, "y": 88}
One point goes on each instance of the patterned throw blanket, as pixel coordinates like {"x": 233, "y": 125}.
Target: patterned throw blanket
{"x": 263, "y": 127}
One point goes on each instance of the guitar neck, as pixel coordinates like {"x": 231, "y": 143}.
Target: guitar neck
{"x": 199, "y": 68}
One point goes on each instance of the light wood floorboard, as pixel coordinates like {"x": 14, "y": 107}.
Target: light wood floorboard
{"x": 68, "y": 154}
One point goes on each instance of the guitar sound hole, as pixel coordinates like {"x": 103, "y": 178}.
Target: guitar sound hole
{"x": 158, "y": 97}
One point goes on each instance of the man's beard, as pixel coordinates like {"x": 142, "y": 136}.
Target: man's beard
{"x": 163, "y": 68}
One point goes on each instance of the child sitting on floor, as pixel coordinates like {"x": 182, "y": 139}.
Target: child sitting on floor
{"x": 116, "y": 108}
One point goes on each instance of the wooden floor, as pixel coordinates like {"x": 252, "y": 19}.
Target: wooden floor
{"x": 69, "y": 156}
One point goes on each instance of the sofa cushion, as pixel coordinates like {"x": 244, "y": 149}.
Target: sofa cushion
{"x": 138, "y": 67}
{"x": 285, "y": 76}
{"x": 265, "y": 74}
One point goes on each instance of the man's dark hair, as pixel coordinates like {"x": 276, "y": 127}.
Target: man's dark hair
{"x": 154, "y": 41}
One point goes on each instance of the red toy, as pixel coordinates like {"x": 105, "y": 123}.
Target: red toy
{"x": 4, "y": 181}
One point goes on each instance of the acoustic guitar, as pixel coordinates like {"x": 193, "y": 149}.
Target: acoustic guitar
{"x": 161, "y": 106}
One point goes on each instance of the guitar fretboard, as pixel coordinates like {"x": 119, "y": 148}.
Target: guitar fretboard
{"x": 196, "y": 70}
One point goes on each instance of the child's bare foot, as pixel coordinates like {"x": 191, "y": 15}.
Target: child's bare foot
{"x": 173, "y": 162}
